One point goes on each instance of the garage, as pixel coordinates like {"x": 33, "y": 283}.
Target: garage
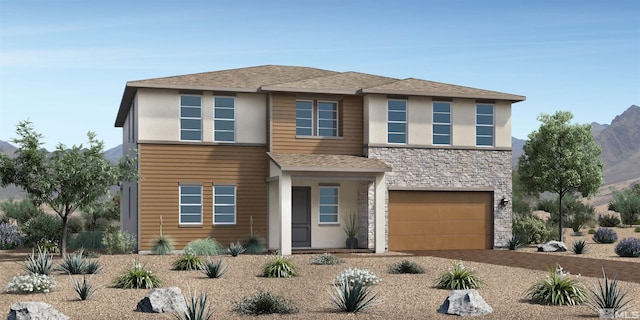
{"x": 440, "y": 220}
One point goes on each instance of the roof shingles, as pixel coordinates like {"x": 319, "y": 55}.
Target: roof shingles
{"x": 327, "y": 162}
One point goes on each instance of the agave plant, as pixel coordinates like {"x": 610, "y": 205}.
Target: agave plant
{"x": 353, "y": 297}
{"x": 214, "y": 269}
{"x": 39, "y": 264}
{"x": 579, "y": 247}
{"x": 197, "y": 308}
{"x": 84, "y": 289}
{"x": 607, "y": 297}
{"x": 235, "y": 249}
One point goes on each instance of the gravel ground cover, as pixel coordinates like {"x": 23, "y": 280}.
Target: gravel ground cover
{"x": 402, "y": 296}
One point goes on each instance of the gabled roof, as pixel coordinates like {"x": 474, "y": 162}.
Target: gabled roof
{"x": 327, "y": 162}
{"x": 305, "y": 80}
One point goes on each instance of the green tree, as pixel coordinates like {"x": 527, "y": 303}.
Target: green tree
{"x": 561, "y": 157}
{"x": 22, "y": 211}
{"x": 65, "y": 179}
{"x": 575, "y": 212}
{"x": 521, "y": 200}
{"x": 627, "y": 203}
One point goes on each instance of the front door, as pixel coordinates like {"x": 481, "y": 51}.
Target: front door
{"x": 301, "y": 217}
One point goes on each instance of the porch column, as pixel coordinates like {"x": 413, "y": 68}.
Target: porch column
{"x": 380, "y": 220}
{"x": 284, "y": 185}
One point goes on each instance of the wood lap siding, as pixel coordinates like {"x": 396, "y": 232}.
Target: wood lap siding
{"x": 164, "y": 167}
{"x": 284, "y": 128}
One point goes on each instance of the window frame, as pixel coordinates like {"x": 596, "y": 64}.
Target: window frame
{"x": 336, "y": 118}
{"x": 336, "y": 206}
{"x": 180, "y": 205}
{"x": 234, "y": 205}
{"x": 434, "y": 123}
{"x": 233, "y": 120}
{"x": 315, "y": 119}
{"x": 405, "y": 122}
{"x": 181, "y": 130}
{"x": 479, "y": 125}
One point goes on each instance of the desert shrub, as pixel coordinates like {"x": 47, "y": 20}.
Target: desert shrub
{"x": 579, "y": 247}
{"x": 264, "y": 302}
{"x": 637, "y": 229}
{"x": 197, "y": 308}
{"x": 74, "y": 224}
{"x": 77, "y": 263}
{"x": 162, "y": 246}
{"x": 326, "y": 259}
{"x": 99, "y": 215}
{"x": 254, "y": 245}
{"x": 49, "y": 245}
{"x": 235, "y": 249}
{"x": 605, "y": 235}
{"x": 10, "y": 236}
{"x": 279, "y": 267}
{"x": 608, "y": 220}
{"x": 40, "y": 263}
{"x": 214, "y": 269}
{"x": 84, "y": 289}
{"x": 22, "y": 211}
{"x": 138, "y": 277}
{"x": 530, "y": 229}
{"x": 118, "y": 242}
{"x": 458, "y": 278}
{"x": 353, "y": 297}
{"x": 406, "y": 266}
{"x": 204, "y": 247}
{"x": 31, "y": 283}
{"x": 608, "y": 296}
{"x": 351, "y": 276}
{"x": 558, "y": 288}
{"x": 627, "y": 203}
{"x": 515, "y": 243}
{"x": 187, "y": 262}
{"x": 41, "y": 228}
{"x": 591, "y": 231}
{"x": 628, "y": 247}
{"x": 85, "y": 240}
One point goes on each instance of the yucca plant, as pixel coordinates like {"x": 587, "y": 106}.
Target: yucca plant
{"x": 162, "y": 246}
{"x": 39, "y": 264}
{"x": 353, "y": 297}
{"x": 608, "y": 297}
{"x": 76, "y": 263}
{"x": 406, "y": 266}
{"x": 458, "y": 278}
{"x": 558, "y": 288}
{"x": 579, "y": 247}
{"x": 515, "y": 243}
{"x": 197, "y": 308}
{"x": 279, "y": 267}
{"x": 214, "y": 269}
{"x": 235, "y": 249}
{"x": 84, "y": 289}
{"x": 254, "y": 245}
{"x": 187, "y": 262}
{"x": 138, "y": 277}
{"x": 326, "y": 259}
{"x": 264, "y": 302}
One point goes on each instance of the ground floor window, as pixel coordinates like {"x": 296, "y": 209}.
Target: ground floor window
{"x": 329, "y": 204}
{"x": 190, "y": 204}
{"x": 224, "y": 204}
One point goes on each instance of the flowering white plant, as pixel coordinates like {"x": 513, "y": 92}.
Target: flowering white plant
{"x": 351, "y": 276}
{"x": 32, "y": 283}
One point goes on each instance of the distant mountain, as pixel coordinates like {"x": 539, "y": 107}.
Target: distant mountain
{"x": 114, "y": 154}
{"x": 597, "y": 128}
{"x": 517, "y": 146}
{"x": 7, "y": 148}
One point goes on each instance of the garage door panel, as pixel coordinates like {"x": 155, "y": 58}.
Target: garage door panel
{"x": 421, "y": 220}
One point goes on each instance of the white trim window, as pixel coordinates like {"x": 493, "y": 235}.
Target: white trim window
{"x": 484, "y": 125}
{"x": 190, "y": 205}
{"x": 224, "y": 204}
{"x": 329, "y": 204}
{"x": 397, "y": 121}
{"x": 190, "y": 118}
{"x": 224, "y": 119}
{"x": 317, "y": 118}
{"x": 442, "y": 123}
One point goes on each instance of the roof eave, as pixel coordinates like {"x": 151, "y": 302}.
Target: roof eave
{"x": 308, "y": 90}
{"x": 125, "y": 104}
{"x": 190, "y": 87}
{"x": 336, "y": 169}
{"x": 508, "y": 97}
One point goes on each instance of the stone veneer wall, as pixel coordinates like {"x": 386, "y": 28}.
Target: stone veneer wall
{"x": 452, "y": 170}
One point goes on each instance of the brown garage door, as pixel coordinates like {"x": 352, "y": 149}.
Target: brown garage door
{"x": 435, "y": 220}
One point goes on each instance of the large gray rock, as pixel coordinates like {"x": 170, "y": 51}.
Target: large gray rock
{"x": 552, "y": 246}
{"x": 34, "y": 311}
{"x": 163, "y": 300}
{"x": 465, "y": 303}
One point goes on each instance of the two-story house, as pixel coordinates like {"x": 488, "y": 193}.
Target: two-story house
{"x": 288, "y": 153}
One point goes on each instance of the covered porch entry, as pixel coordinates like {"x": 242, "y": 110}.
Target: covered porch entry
{"x": 312, "y": 195}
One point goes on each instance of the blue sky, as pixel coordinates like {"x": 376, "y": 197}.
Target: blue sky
{"x": 64, "y": 64}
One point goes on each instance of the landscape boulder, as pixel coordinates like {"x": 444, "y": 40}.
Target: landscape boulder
{"x": 34, "y": 311}
{"x": 161, "y": 300}
{"x": 552, "y": 246}
{"x": 465, "y": 303}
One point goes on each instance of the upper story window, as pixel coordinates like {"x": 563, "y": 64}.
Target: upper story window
{"x": 224, "y": 204}
{"x": 316, "y": 118}
{"x": 224, "y": 119}
{"x": 190, "y": 204}
{"x": 191, "y": 118}
{"x": 329, "y": 204}
{"x": 484, "y": 124}
{"x": 442, "y": 123}
{"x": 397, "y": 121}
